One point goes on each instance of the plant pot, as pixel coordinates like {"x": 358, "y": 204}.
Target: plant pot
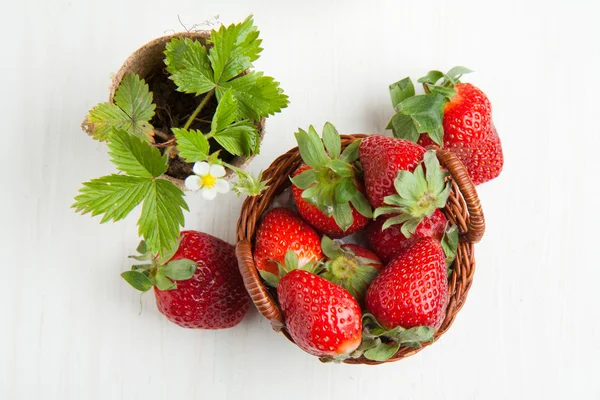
{"x": 462, "y": 209}
{"x": 148, "y": 63}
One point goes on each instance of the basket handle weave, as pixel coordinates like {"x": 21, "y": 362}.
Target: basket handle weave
{"x": 476, "y": 221}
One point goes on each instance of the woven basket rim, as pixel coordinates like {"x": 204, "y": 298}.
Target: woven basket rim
{"x": 463, "y": 209}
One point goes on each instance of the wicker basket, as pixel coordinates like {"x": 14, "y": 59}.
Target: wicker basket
{"x": 463, "y": 209}
{"x": 150, "y": 58}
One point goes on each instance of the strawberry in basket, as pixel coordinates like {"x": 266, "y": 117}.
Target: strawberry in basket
{"x": 326, "y": 187}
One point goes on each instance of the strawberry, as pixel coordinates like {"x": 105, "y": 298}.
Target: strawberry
{"x": 391, "y": 242}
{"x": 327, "y": 187}
{"x": 322, "y": 318}
{"x": 199, "y": 286}
{"x": 319, "y": 220}
{"x": 279, "y": 231}
{"x": 453, "y": 114}
{"x": 381, "y": 158}
{"x": 413, "y": 289}
{"x": 350, "y": 266}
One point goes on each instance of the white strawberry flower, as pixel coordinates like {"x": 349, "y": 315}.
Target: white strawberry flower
{"x": 208, "y": 178}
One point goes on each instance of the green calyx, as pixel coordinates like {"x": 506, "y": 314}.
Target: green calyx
{"x": 346, "y": 269}
{"x": 290, "y": 263}
{"x": 157, "y": 271}
{"x": 330, "y": 183}
{"x": 417, "y": 114}
{"x": 380, "y": 344}
{"x": 418, "y": 195}
{"x": 450, "y": 244}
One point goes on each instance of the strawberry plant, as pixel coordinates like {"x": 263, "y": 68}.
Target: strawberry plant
{"x": 232, "y": 96}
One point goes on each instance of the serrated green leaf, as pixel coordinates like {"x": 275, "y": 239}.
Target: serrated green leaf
{"x": 304, "y": 179}
{"x": 401, "y": 90}
{"x": 239, "y": 138}
{"x": 403, "y": 127}
{"x": 382, "y": 352}
{"x": 332, "y": 140}
{"x": 426, "y": 110}
{"x": 189, "y": 66}
{"x": 234, "y": 49}
{"x": 162, "y": 282}
{"x": 192, "y": 144}
{"x": 131, "y": 112}
{"x": 257, "y": 95}
{"x": 134, "y": 97}
{"x": 342, "y": 214}
{"x": 138, "y": 280}
{"x": 162, "y": 215}
{"x": 362, "y": 205}
{"x": 431, "y": 77}
{"x": 226, "y": 112}
{"x": 179, "y": 270}
{"x": 114, "y": 196}
{"x": 350, "y": 153}
{"x": 134, "y": 156}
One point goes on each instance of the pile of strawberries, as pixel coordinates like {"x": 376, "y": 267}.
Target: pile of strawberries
{"x": 341, "y": 299}
{"x": 360, "y": 261}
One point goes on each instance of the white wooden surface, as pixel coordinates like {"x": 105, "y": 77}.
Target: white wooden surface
{"x": 70, "y": 327}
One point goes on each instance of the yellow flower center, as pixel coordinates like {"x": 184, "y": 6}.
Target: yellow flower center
{"x": 208, "y": 181}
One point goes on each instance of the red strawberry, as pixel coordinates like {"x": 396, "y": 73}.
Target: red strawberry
{"x": 350, "y": 266}
{"x": 279, "y": 231}
{"x": 196, "y": 285}
{"x": 381, "y": 158}
{"x": 389, "y": 243}
{"x": 327, "y": 188}
{"x": 215, "y": 296}
{"x": 322, "y": 318}
{"x": 462, "y": 121}
{"x": 319, "y": 220}
{"x": 413, "y": 289}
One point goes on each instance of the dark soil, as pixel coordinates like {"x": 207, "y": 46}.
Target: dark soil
{"x": 173, "y": 109}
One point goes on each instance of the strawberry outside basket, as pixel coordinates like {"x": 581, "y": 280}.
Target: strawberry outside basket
{"x": 462, "y": 209}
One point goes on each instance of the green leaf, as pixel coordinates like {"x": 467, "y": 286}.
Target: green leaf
{"x": 257, "y": 95}
{"x": 345, "y": 190}
{"x": 291, "y": 260}
{"x": 192, "y": 145}
{"x": 350, "y": 153}
{"x": 304, "y": 179}
{"x": 234, "y": 49}
{"x": 450, "y": 244}
{"x": 437, "y": 135}
{"x": 179, "y": 270}
{"x": 400, "y": 219}
{"x": 342, "y": 214}
{"x": 403, "y": 127}
{"x": 114, "y": 196}
{"x": 135, "y": 156}
{"x": 331, "y": 248}
{"x": 311, "y": 148}
{"x": 426, "y": 110}
{"x": 162, "y": 282}
{"x": 341, "y": 168}
{"x": 166, "y": 255}
{"x": 132, "y": 111}
{"x": 447, "y": 92}
{"x": 431, "y": 77}
{"x": 249, "y": 184}
{"x": 456, "y": 73}
{"x": 416, "y": 335}
{"x": 239, "y": 138}
{"x": 162, "y": 215}
{"x": 382, "y": 352}
{"x": 387, "y": 210}
{"x": 332, "y": 140}
{"x": 189, "y": 66}
{"x": 362, "y": 205}
{"x": 401, "y": 90}
{"x": 226, "y": 112}
{"x": 142, "y": 248}
{"x": 269, "y": 278}
{"x": 138, "y": 280}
